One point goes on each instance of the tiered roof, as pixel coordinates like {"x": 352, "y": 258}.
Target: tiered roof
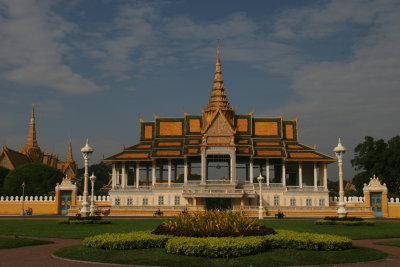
{"x": 250, "y": 136}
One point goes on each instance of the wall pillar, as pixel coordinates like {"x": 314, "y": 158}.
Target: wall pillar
{"x": 300, "y": 175}
{"x": 251, "y": 171}
{"x": 169, "y": 171}
{"x": 283, "y": 173}
{"x": 113, "y": 176}
{"x": 123, "y": 180}
{"x": 153, "y": 173}
{"x": 203, "y": 166}
{"x": 233, "y": 167}
{"x": 315, "y": 176}
{"x": 137, "y": 174}
{"x": 325, "y": 177}
{"x": 267, "y": 172}
{"x": 185, "y": 171}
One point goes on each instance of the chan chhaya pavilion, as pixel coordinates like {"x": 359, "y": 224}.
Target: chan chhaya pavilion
{"x": 212, "y": 160}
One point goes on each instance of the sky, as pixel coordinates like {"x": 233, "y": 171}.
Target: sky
{"x": 93, "y": 68}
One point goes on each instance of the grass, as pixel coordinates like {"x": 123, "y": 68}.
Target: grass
{"x": 276, "y": 257}
{"x": 50, "y": 228}
{"x": 390, "y": 243}
{"x": 12, "y": 242}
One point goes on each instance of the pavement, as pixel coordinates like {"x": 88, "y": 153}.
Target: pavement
{"x": 42, "y": 255}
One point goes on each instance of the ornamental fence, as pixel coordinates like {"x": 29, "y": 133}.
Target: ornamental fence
{"x": 27, "y": 199}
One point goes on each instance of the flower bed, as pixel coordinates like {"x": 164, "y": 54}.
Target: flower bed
{"x": 213, "y": 224}
{"x": 134, "y": 240}
{"x": 348, "y": 223}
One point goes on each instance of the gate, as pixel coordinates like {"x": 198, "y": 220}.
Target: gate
{"x": 65, "y": 201}
{"x": 376, "y": 203}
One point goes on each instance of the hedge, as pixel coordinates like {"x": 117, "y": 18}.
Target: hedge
{"x": 216, "y": 247}
{"x": 133, "y": 240}
{"x": 348, "y": 223}
{"x": 308, "y": 241}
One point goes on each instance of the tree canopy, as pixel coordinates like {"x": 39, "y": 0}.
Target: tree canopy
{"x": 380, "y": 158}
{"x": 101, "y": 171}
{"x": 3, "y": 174}
{"x": 39, "y": 180}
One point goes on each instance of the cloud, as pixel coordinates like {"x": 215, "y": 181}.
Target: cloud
{"x": 326, "y": 18}
{"x": 354, "y": 97}
{"x": 33, "y": 46}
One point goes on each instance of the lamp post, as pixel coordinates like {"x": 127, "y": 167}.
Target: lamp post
{"x": 92, "y": 179}
{"x": 260, "y": 178}
{"x": 23, "y": 197}
{"x": 86, "y": 152}
{"x": 339, "y": 152}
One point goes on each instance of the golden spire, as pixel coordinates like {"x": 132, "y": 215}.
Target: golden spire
{"x": 70, "y": 157}
{"x": 31, "y": 141}
{"x": 218, "y": 98}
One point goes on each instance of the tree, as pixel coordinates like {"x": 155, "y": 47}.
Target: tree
{"x": 39, "y": 180}
{"x": 3, "y": 174}
{"x": 101, "y": 171}
{"x": 376, "y": 157}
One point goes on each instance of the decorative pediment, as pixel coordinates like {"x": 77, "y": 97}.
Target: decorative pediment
{"x": 66, "y": 184}
{"x": 375, "y": 185}
{"x": 219, "y": 126}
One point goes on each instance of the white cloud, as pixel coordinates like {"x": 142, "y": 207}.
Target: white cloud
{"x": 33, "y": 47}
{"x": 356, "y": 97}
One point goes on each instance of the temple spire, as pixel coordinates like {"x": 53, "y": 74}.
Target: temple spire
{"x": 31, "y": 141}
{"x": 70, "y": 157}
{"x": 218, "y": 98}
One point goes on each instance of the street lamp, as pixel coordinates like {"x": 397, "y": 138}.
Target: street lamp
{"x": 86, "y": 152}
{"x": 92, "y": 179}
{"x": 339, "y": 152}
{"x": 23, "y": 196}
{"x": 260, "y": 178}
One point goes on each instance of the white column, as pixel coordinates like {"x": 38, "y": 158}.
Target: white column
{"x": 283, "y": 173}
{"x": 137, "y": 174}
{"x": 203, "y": 166}
{"x": 267, "y": 172}
{"x": 169, "y": 171}
{"x": 251, "y": 171}
{"x": 233, "y": 167}
{"x": 123, "y": 179}
{"x": 325, "y": 177}
{"x": 300, "y": 175}
{"x": 153, "y": 173}
{"x": 185, "y": 171}
{"x": 113, "y": 176}
{"x": 315, "y": 176}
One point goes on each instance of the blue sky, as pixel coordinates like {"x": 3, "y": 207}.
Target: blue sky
{"x": 93, "y": 68}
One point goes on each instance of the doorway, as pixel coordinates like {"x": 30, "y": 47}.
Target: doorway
{"x": 65, "y": 201}
{"x": 376, "y": 203}
{"x": 218, "y": 203}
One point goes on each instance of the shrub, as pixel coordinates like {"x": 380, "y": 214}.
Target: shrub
{"x": 345, "y": 218}
{"x": 213, "y": 224}
{"x": 308, "y": 241}
{"x": 134, "y": 240}
{"x": 215, "y": 247}
{"x": 348, "y": 223}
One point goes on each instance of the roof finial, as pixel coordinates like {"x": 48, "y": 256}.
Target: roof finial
{"x": 218, "y": 50}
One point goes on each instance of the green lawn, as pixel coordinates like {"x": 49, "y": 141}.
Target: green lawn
{"x": 20, "y": 242}
{"x": 50, "y": 228}
{"x": 276, "y": 257}
{"x": 389, "y": 243}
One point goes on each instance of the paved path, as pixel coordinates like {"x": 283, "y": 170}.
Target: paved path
{"x": 41, "y": 256}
